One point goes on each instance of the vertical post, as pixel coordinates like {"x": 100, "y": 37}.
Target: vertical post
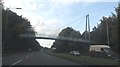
{"x": 6, "y": 18}
{"x": 6, "y": 29}
{"x": 107, "y": 33}
{"x": 3, "y": 45}
{"x": 1, "y": 7}
{"x": 86, "y": 29}
{"x": 89, "y": 28}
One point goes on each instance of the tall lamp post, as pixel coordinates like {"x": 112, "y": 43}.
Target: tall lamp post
{"x": 6, "y": 22}
{"x": 107, "y": 34}
{"x": 7, "y": 15}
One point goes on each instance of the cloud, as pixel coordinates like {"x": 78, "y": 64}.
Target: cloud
{"x": 42, "y": 16}
{"x": 48, "y": 26}
{"x": 70, "y": 1}
{"x": 47, "y": 16}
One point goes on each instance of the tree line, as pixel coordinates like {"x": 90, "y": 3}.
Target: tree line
{"x": 12, "y": 26}
{"x": 98, "y": 35}
{"x": 66, "y": 46}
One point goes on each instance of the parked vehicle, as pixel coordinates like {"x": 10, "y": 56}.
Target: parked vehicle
{"x": 75, "y": 53}
{"x": 103, "y": 50}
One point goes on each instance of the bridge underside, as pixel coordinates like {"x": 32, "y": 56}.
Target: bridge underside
{"x": 68, "y": 40}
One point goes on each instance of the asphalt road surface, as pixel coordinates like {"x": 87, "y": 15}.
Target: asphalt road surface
{"x": 35, "y": 58}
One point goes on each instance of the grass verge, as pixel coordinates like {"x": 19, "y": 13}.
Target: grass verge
{"x": 87, "y": 60}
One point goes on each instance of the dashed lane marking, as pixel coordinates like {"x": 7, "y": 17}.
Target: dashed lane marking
{"x": 27, "y": 57}
{"x": 17, "y": 62}
{"x": 21, "y": 60}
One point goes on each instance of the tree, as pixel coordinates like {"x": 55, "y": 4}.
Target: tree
{"x": 12, "y": 26}
{"x": 100, "y": 34}
{"x": 65, "y": 46}
{"x": 118, "y": 12}
{"x": 94, "y": 29}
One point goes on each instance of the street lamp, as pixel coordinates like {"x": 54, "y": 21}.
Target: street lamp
{"x": 6, "y": 24}
{"x": 7, "y": 15}
{"x": 107, "y": 34}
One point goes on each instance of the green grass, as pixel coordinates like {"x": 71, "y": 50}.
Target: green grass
{"x": 87, "y": 60}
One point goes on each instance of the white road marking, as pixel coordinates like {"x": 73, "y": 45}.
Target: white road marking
{"x": 27, "y": 57}
{"x": 21, "y": 60}
{"x": 17, "y": 62}
{"x": 31, "y": 54}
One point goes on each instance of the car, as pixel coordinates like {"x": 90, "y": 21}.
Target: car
{"x": 29, "y": 49}
{"x": 76, "y": 53}
{"x": 110, "y": 53}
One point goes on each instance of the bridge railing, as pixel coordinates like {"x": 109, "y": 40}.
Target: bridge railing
{"x": 53, "y": 37}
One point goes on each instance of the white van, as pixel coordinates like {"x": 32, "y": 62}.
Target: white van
{"x": 104, "y": 49}
{"x": 97, "y": 48}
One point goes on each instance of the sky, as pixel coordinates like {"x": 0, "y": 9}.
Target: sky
{"x": 51, "y": 16}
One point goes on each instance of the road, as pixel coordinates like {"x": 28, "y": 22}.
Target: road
{"x": 35, "y": 58}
